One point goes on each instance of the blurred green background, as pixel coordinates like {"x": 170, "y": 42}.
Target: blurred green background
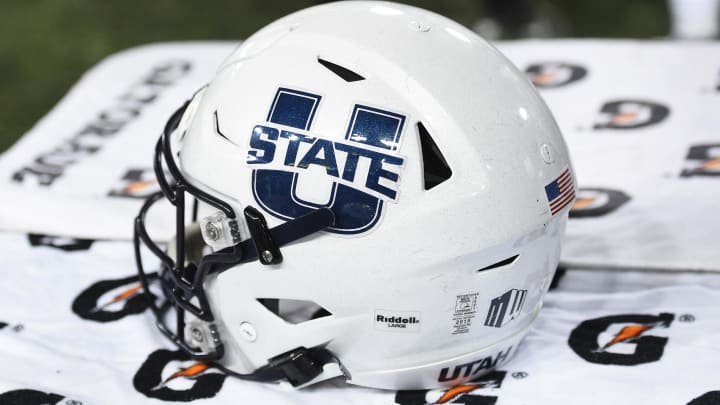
{"x": 46, "y": 45}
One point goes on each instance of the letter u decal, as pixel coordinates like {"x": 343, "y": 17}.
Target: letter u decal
{"x": 355, "y": 211}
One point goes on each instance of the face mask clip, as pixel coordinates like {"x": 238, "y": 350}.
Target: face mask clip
{"x": 203, "y": 335}
{"x": 219, "y": 231}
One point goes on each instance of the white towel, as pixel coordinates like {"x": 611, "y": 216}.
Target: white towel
{"x": 72, "y": 328}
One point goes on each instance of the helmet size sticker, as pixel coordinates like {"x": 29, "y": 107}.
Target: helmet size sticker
{"x": 397, "y": 321}
{"x": 465, "y": 310}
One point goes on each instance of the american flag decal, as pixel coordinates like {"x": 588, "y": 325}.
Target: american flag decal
{"x": 560, "y": 192}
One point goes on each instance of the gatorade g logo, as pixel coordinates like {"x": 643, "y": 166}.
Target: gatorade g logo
{"x": 708, "y": 398}
{"x": 111, "y": 300}
{"x": 596, "y": 202}
{"x": 630, "y": 114}
{"x": 554, "y": 74}
{"x": 34, "y": 397}
{"x": 296, "y": 171}
{"x": 136, "y": 183}
{"x": 625, "y": 340}
{"x": 17, "y": 328}
{"x": 172, "y": 376}
{"x": 702, "y": 160}
{"x": 460, "y": 394}
{"x": 59, "y": 242}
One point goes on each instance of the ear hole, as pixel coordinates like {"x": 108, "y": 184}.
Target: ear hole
{"x": 501, "y": 263}
{"x": 435, "y": 167}
{"x": 294, "y": 311}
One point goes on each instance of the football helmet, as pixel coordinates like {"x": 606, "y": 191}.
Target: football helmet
{"x": 366, "y": 190}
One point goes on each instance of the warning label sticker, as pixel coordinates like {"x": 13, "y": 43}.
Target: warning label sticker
{"x": 465, "y": 309}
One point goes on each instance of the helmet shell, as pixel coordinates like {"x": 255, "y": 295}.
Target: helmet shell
{"x": 402, "y": 251}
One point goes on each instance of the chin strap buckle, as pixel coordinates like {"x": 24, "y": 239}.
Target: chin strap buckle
{"x": 299, "y": 366}
{"x": 268, "y": 251}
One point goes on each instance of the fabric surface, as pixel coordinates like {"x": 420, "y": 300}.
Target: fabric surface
{"x": 640, "y": 119}
{"x": 91, "y": 156}
{"x": 73, "y": 328}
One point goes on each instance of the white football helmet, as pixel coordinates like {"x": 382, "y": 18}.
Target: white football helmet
{"x": 382, "y": 197}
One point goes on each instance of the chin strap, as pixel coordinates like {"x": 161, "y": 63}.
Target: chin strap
{"x": 298, "y": 367}
{"x": 265, "y": 243}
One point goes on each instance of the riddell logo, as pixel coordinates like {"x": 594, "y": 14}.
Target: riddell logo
{"x": 554, "y": 74}
{"x": 172, "y": 376}
{"x": 459, "y": 394}
{"x": 631, "y": 114}
{"x": 110, "y": 300}
{"x": 596, "y": 202}
{"x": 397, "y": 321}
{"x": 623, "y": 340}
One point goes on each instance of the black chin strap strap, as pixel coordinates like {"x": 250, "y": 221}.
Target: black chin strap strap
{"x": 265, "y": 243}
{"x": 298, "y": 366}
{"x": 265, "y": 240}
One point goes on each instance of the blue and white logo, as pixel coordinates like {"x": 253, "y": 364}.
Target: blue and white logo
{"x": 296, "y": 171}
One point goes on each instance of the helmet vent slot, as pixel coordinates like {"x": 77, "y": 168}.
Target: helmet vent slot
{"x": 501, "y": 263}
{"x": 435, "y": 168}
{"x": 216, "y": 126}
{"x": 345, "y": 73}
{"x": 294, "y": 311}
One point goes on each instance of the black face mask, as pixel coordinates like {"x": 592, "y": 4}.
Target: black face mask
{"x": 184, "y": 269}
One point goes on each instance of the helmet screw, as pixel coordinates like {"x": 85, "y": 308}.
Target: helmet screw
{"x": 212, "y": 232}
{"x": 248, "y": 331}
{"x": 546, "y": 152}
{"x": 419, "y": 26}
{"x": 267, "y": 256}
{"x": 197, "y": 334}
